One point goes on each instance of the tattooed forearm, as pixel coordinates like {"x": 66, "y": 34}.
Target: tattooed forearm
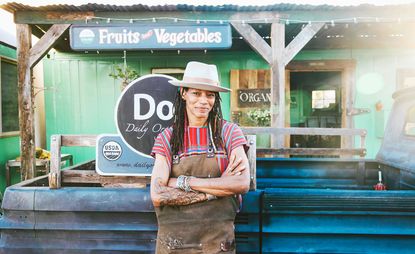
{"x": 171, "y": 196}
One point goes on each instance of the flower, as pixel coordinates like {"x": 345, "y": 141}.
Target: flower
{"x": 262, "y": 117}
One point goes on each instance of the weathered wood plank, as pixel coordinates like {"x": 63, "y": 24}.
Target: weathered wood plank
{"x": 301, "y": 40}
{"x": 254, "y": 40}
{"x": 92, "y": 177}
{"x": 79, "y": 140}
{"x": 252, "y": 160}
{"x": 277, "y": 82}
{"x": 52, "y": 17}
{"x": 265, "y": 152}
{"x": 46, "y": 42}
{"x": 306, "y": 131}
{"x": 55, "y": 162}
{"x": 26, "y": 102}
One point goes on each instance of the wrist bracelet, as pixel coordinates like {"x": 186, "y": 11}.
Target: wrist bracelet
{"x": 187, "y": 187}
{"x": 183, "y": 183}
{"x": 211, "y": 197}
{"x": 180, "y": 182}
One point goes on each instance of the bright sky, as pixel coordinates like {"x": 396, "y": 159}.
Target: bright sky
{"x": 7, "y": 28}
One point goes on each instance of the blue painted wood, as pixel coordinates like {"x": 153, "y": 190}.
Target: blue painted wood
{"x": 97, "y": 220}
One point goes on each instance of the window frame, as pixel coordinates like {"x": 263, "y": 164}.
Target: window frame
{"x": 405, "y": 133}
{"x": 8, "y": 133}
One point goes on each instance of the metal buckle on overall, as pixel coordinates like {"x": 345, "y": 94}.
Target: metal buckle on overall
{"x": 176, "y": 159}
{"x": 210, "y": 153}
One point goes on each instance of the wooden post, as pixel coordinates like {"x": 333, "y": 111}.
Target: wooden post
{"x": 26, "y": 102}
{"x": 277, "y": 82}
{"x": 55, "y": 162}
{"x": 252, "y": 160}
{"x": 277, "y": 56}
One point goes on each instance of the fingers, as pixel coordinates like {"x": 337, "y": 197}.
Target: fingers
{"x": 235, "y": 166}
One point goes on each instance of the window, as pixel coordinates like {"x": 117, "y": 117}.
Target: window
{"x": 9, "y": 112}
{"x": 410, "y": 122}
{"x": 323, "y": 98}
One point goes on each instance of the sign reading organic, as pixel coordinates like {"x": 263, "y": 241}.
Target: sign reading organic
{"x": 144, "y": 109}
{"x": 112, "y": 37}
{"x": 254, "y": 97}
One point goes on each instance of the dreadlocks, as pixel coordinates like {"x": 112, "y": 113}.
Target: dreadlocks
{"x": 180, "y": 122}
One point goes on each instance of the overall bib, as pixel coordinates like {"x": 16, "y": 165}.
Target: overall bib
{"x": 206, "y": 227}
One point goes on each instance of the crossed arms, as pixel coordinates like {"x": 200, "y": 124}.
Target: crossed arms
{"x": 235, "y": 180}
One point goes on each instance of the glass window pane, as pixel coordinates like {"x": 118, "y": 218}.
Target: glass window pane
{"x": 9, "y": 103}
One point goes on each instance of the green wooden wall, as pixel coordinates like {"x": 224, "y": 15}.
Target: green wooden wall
{"x": 80, "y": 96}
{"x": 9, "y": 149}
{"x": 9, "y": 146}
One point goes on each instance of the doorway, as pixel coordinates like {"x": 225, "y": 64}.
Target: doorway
{"x": 315, "y": 102}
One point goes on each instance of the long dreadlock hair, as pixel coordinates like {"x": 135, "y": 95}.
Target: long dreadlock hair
{"x": 180, "y": 122}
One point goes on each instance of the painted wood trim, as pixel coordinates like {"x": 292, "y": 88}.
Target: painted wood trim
{"x": 26, "y": 101}
{"x": 9, "y": 134}
{"x": 301, "y": 40}
{"x": 46, "y": 42}
{"x": 254, "y": 40}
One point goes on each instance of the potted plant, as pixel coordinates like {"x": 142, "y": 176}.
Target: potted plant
{"x": 125, "y": 74}
{"x": 261, "y": 118}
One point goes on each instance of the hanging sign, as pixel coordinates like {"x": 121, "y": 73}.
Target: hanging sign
{"x": 160, "y": 36}
{"x": 253, "y": 97}
{"x": 144, "y": 109}
{"x": 114, "y": 157}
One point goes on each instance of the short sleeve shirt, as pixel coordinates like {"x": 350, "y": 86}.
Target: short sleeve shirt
{"x": 198, "y": 142}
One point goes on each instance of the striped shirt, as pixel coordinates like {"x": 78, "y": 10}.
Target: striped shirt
{"x": 197, "y": 142}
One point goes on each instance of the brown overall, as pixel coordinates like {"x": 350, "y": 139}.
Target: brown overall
{"x": 206, "y": 227}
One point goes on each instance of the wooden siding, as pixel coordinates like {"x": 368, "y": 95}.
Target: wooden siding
{"x": 80, "y": 96}
{"x": 9, "y": 149}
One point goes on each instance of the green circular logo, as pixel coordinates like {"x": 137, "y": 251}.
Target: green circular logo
{"x": 86, "y": 36}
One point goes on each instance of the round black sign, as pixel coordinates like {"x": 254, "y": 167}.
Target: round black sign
{"x": 144, "y": 109}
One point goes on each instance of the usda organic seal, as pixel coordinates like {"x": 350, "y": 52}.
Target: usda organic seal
{"x": 112, "y": 150}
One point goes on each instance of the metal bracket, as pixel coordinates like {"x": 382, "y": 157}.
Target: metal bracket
{"x": 357, "y": 111}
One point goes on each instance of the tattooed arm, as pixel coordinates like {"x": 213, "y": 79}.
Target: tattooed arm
{"x": 162, "y": 195}
{"x": 235, "y": 179}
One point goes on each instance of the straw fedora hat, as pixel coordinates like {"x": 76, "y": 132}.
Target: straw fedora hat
{"x": 200, "y": 76}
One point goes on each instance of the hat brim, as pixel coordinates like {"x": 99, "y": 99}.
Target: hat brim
{"x": 201, "y": 86}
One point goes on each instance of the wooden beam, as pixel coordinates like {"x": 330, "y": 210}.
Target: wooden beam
{"x": 277, "y": 82}
{"x": 266, "y": 152}
{"x": 300, "y": 41}
{"x": 26, "y": 102}
{"x": 55, "y": 162}
{"x": 305, "y": 131}
{"x": 46, "y": 42}
{"x": 251, "y": 154}
{"x": 92, "y": 177}
{"x": 52, "y": 17}
{"x": 79, "y": 140}
{"x": 254, "y": 40}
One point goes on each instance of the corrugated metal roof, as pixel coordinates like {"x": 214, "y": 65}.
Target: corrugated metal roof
{"x": 13, "y": 7}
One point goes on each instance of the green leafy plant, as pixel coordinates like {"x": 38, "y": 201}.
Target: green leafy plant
{"x": 125, "y": 74}
{"x": 261, "y": 117}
